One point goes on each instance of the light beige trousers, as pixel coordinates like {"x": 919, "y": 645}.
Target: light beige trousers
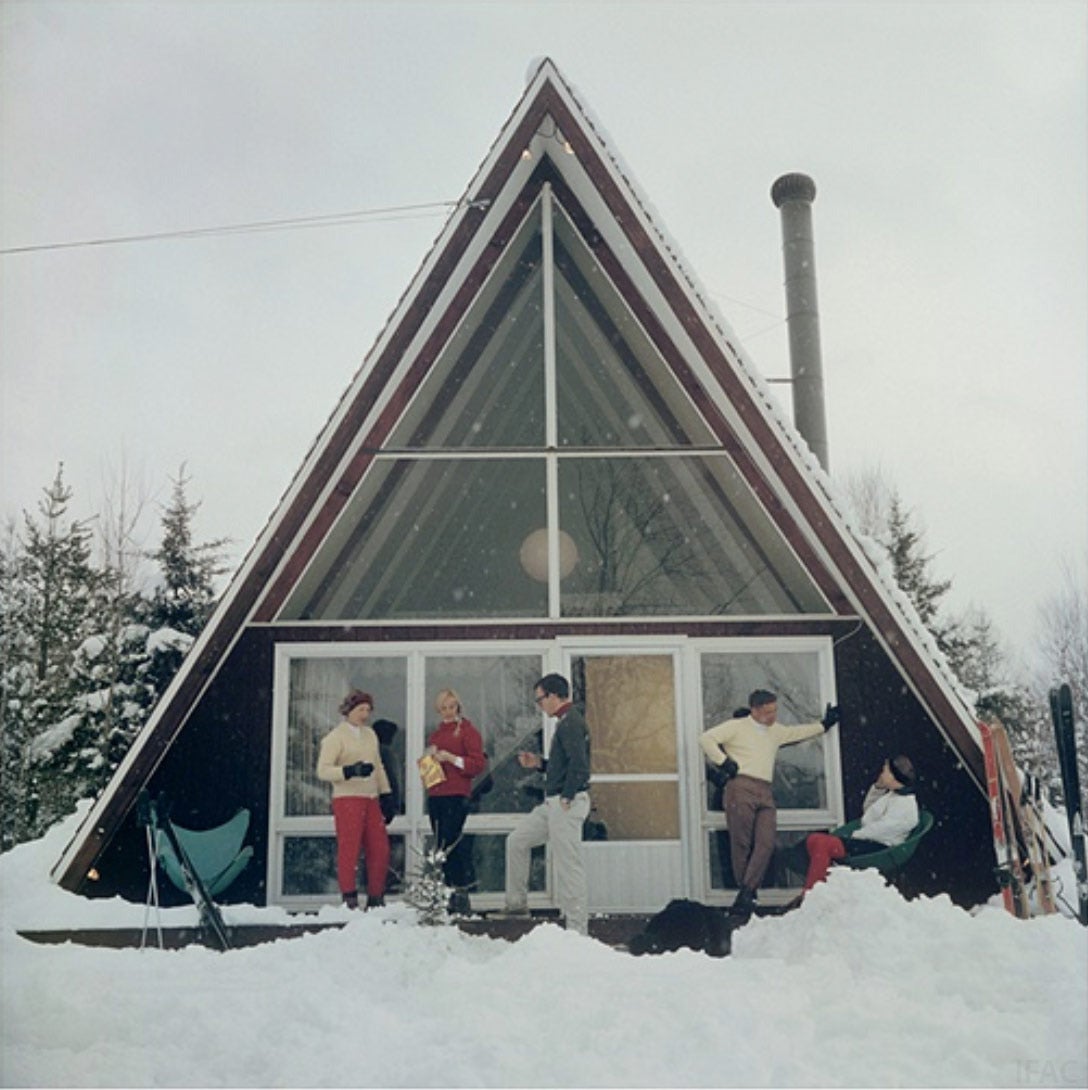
{"x": 561, "y": 830}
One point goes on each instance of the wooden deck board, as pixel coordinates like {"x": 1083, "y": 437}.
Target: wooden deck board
{"x": 612, "y": 930}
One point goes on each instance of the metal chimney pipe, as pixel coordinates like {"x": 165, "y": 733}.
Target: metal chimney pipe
{"x": 793, "y": 195}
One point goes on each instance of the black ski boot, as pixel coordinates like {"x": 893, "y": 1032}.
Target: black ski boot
{"x": 744, "y": 904}
{"x": 459, "y": 904}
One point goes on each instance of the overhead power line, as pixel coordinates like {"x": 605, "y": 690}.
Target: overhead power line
{"x": 335, "y": 219}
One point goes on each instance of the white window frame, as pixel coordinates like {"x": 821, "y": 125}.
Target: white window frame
{"x": 696, "y": 821}
{"x": 413, "y": 824}
{"x": 704, "y": 821}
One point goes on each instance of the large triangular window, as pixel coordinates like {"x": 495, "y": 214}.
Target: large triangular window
{"x": 612, "y": 387}
{"x": 486, "y": 389}
{"x": 551, "y": 464}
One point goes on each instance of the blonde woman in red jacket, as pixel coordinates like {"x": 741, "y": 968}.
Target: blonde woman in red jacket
{"x": 351, "y": 761}
{"x": 456, "y": 744}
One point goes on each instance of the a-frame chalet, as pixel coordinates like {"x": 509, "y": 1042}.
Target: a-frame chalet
{"x": 556, "y": 457}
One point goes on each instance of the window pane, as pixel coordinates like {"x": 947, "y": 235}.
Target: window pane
{"x": 674, "y": 535}
{"x": 316, "y": 687}
{"x": 309, "y": 867}
{"x": 486, "y": 389}
{"x": 637, "y": 810}
{"x": 489, "y": 859}
{"x": 800, "y": 777}
{"x": 434, "y": 538}
{"x": 787, "y": 868}
{"x": 630, "y": 709}
{"x": 614, "y": 389}
{"x": 497, "y": 696}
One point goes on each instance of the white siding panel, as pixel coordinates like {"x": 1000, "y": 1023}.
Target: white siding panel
{"x": 635, "y": 876}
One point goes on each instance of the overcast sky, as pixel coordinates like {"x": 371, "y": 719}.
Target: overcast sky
{"x": 947, "y": 141}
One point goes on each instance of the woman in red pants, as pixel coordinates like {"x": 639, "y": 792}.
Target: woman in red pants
{"x": 890, "y": 812}
{"x": 350, "y": 760}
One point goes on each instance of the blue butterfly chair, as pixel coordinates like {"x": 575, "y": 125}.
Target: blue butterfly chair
{"x": 216, "y": 854}
{"x": 888, "y": 861}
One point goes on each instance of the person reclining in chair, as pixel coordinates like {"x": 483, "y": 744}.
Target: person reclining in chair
{"x": 890, "y": 812}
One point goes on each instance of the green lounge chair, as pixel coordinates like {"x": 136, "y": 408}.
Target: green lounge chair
{"x": 216, "y": 855}
{"x": 888, "y": 861}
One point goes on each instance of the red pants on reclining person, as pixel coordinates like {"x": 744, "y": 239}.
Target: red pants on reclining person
{"x": 360, "y": 828}
{"x": 823, "y": 849}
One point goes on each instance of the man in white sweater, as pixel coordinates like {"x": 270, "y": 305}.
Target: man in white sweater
{"x": 890, "y": 812}
{"x": 744, "y": 749}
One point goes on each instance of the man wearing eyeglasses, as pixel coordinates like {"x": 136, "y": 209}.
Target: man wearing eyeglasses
{"x": 558, "y": 820}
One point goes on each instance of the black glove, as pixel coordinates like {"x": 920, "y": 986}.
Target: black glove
{"x": 360, "y": 768}
{"x": 831, "y": 716}
{"x": 389, "y": 807}
{"x": 740, "y": 713}
{"x": 723, "y": 773}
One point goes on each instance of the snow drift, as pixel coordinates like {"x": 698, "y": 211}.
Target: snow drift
{"x": 857, "y": 988}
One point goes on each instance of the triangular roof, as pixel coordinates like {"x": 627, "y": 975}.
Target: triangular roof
{"x": 549, "y": 140}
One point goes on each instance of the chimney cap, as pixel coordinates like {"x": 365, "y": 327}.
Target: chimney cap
{"x": 793, "y": 187}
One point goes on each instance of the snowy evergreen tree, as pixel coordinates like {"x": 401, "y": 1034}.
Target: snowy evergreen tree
{"x": 113, "y": 666}
{"x": 427, "y": 891}
{"x": 186, "y": 596}
{"x": 880, "y": 513}
{"x": 914, "y": 576}
{"x": 16, "y": 685}
{"x": 968, "y": 640}
{"x": 122, "y": 669}
{"x": 1062, "y": 643}
{"x": 111, "y": 696}
{"x": 84, "y": 652}
{"x": 984, "y": 667}
{"x": 61, "y": 583}
{"x": 53, "y": 613}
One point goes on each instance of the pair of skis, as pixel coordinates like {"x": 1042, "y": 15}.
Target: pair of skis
{"x": 1023, "y": 846}
{"x": 1061, "y": 711}
{"x": 1019, "y": 862}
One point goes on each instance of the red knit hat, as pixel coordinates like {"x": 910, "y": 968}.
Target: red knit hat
{"x": 354, "y": 699}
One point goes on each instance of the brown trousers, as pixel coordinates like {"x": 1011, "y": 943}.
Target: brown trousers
{"x": 753, "y": 819}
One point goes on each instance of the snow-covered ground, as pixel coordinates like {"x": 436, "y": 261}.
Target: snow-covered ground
{"x": 857, "y": 988}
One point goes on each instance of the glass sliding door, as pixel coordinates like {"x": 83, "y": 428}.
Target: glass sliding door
{"x": 630, "y": 706}
{"x": 634, "y": 854}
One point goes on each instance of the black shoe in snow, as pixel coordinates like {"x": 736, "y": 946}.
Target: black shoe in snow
{"x": 459, "y": 904}
{"x": 744, "y": 904}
